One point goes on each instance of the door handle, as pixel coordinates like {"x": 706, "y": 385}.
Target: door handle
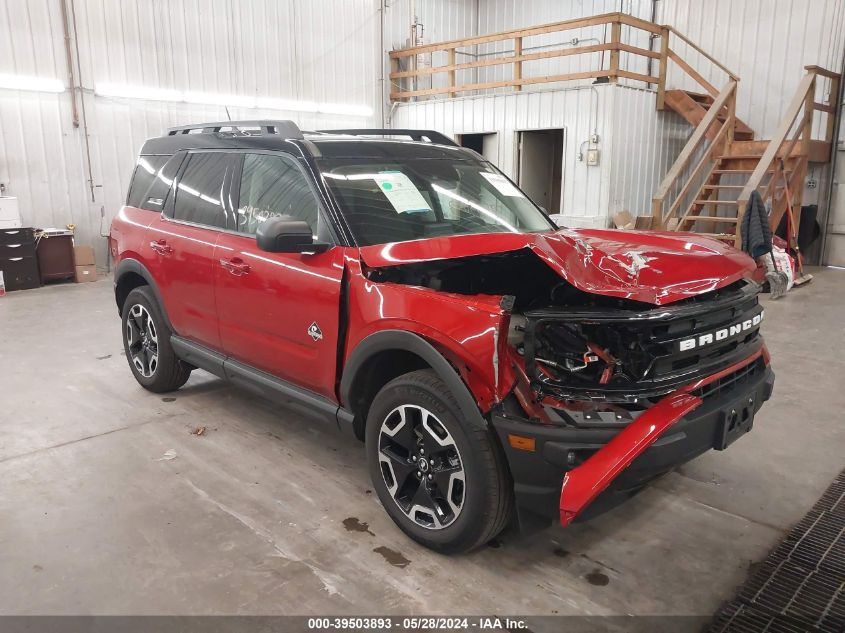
{"x": 235, "y": 266}
{"x": 161, "y": 247}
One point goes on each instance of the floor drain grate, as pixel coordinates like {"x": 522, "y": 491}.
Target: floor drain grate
{"x": 801, "y": 585}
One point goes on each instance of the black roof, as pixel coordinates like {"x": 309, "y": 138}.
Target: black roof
{"x": 281, "y": 135}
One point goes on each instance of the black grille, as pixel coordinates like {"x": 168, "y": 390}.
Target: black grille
{"x": 801, "y": 585}
{"x": 656, "y": 351}
{"x": 740, "y": 377}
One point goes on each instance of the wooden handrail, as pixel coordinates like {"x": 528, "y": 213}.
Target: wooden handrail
{"x": 695, "y": 46}
{"x": 725, "y": 97}
{"x": 566, "y": 25}
{"x": 613, "y": 70}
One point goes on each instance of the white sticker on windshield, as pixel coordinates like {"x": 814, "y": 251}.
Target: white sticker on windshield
{"x": 401, "y": 192}
{"x": 502, "y": 185}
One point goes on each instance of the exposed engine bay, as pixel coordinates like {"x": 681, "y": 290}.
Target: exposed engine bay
{"x": 577, "y": 345}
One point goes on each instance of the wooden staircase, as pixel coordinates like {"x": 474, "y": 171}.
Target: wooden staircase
{"x": 710, "y": 196}
{"x": 692, "y": 106}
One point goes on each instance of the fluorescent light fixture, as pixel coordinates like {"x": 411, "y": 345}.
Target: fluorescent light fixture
{"x": 126, "y": 91}
{"x": 26, "y": 82}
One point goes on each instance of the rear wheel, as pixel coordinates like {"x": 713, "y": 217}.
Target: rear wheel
{"x": 146, "y": 341}
{"x": 440, "y": 477}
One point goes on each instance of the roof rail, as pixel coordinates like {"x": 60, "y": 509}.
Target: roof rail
{"x": 416, "y": 135}
{"x": 285, "y": 129}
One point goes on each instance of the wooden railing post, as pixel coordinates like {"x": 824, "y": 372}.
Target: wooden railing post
{"x": 517, "y": 66}
{"x": 834, "y": 103}
{"x": 615, "y": 40}
{"x": 807, "y": 121}
{"x": 657, "y": 214}
{"x": 731, "y": 123}
{"x": 452, "y": 61}
{"x": 661, "y": 74}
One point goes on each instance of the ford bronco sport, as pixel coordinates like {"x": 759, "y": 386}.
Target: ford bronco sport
{"x": 496, "y": 366}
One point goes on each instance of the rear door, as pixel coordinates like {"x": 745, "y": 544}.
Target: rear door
{"x": 279, "y": 312}
{"x": 181, "y": 244}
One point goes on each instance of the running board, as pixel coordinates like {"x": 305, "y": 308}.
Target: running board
{"x": 265, "y": 385}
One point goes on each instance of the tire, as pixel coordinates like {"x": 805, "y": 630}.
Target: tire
{"x": 414, "y": 417}
{"x": 146, "y": 342}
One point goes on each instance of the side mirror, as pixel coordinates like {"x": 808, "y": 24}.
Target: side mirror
{"x": 283, "y": 234}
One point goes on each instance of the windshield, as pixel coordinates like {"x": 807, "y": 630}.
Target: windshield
{"x": 409, "y": 199}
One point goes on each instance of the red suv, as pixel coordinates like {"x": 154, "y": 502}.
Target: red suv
{"x": 497, "y": 367}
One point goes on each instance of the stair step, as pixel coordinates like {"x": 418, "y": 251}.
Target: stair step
{"x": 749, "y": 156}
{"x": 700, "y": 97}
{"x": 709, "y": 218}
{"x": 716, "y": 202}
{"x": 737, "y": 187}
{"x": 744, "y": 171}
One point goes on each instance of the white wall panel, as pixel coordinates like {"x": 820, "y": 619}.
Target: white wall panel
{"x": 325, "y": 51}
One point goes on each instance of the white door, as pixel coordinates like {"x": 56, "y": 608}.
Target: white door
{"x": 541, "y": 167}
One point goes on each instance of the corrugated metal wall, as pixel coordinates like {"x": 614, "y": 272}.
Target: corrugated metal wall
{"x": 325, "y": 51}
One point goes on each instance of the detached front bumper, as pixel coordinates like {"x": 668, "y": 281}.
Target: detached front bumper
{"x": 580, "y": 472}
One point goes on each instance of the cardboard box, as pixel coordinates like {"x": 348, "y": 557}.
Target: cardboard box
{"x": 83, "y": 256}
{"x": 643, "y": 222}
{"x": 86, "y": 273}
{"x": 623, "y": 220}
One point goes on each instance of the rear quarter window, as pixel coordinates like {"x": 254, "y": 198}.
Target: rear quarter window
{"x": 142, "y": 178}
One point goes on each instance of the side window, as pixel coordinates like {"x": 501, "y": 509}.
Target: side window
{"x": 199, "y": 194}
{"x": 143, "y": 177}
{"x": 271, "y": 186}
{"x": 156, "y": 194}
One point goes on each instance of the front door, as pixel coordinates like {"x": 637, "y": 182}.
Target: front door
{"x": 180, "y": 248}
{"x": 279, "y": 312}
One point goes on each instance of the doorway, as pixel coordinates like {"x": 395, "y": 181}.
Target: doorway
{"x": 486, "y": 144}
{"x": 540, "y": 160}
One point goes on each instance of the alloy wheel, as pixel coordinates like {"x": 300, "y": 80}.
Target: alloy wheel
{"x": 421, "y": 466}
{"x": 142, "y": 340}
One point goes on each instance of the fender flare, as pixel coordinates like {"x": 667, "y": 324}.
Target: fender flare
{"x": 387, "y": 340}
{"x": 130, "y": 265}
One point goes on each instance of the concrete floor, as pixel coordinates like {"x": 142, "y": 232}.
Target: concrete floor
{"x": 110, "y": 505}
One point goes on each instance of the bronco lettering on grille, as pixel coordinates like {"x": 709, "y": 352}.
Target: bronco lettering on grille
{"x": 720, "y": 335}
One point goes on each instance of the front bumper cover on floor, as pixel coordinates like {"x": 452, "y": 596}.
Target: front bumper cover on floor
{"x": 614, "y": 463}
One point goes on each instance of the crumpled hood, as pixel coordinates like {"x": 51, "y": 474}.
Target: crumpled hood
{"x": 648, "y": 266}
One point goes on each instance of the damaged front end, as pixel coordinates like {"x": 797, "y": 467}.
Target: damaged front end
{"x": 605, "y": 381}
{"x": 617, "y": 397}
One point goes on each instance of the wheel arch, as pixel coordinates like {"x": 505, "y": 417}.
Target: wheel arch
{"x": 383, "y": 356}
{"x": 131, "y": 274}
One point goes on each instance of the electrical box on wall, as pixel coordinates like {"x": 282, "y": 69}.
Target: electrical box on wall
{"x": 592, "y": 157}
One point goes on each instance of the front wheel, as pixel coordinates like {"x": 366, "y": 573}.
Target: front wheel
{"x": 146, "y": 341}
{"x": 440, "y": 477}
